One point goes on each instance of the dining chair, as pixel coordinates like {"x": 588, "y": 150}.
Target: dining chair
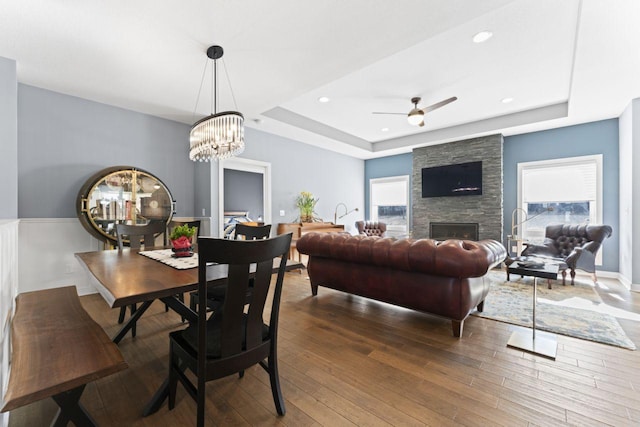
{"x": 235, "y": 337}
{"x": 251, "y": 232}
{"x": 217, "y": 293}
{"x": 134, "y": 236}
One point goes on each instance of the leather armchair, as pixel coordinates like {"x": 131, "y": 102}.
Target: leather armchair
{"x": 371, "y": 228}
{"x": 574, "y": 245}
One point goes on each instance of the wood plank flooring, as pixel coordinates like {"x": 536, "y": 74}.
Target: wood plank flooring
{"x": 347, "y": 361}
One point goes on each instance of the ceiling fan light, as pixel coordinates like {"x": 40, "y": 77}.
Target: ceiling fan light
{"x": 415, "y": 117}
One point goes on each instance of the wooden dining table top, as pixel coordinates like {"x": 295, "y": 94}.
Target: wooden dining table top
{"x": 126, "y": 277}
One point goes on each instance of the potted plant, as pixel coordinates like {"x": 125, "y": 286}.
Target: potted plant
{"x": 181, "y": 240}
{"x": 306, "y": 203}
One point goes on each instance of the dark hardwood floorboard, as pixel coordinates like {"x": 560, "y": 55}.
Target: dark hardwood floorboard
{"x": 348, "y": 361}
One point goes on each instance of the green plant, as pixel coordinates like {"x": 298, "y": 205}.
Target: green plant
{"x": 182, "y": 230}
{"x": 306, "y": 202}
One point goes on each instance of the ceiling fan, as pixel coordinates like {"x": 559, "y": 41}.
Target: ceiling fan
{"x": 416, "y": 115}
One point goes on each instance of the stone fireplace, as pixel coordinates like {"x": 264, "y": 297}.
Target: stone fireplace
{"x": 484, "y": 210}
{"x": 453, "y": 230}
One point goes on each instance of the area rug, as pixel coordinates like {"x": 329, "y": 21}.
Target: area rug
{"x": 556, "y": 309}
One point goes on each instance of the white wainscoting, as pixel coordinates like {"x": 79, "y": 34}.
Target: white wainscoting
{"x": 46, "y": 253}
{"x": 8, "y": 293}
{"x": 47, "y": 248}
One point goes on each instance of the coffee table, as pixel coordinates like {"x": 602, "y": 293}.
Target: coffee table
{"x": 526, "y": 340}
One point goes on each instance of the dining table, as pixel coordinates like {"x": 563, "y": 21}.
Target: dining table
{"x": 126, "y": 277}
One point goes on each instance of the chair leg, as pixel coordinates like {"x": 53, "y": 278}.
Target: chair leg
{"x": 173, "y": 384}
{"x": 181, "y": 299}
{"x": 573, "y": 276}
{"x": 548, "y": 283}
{"x": 133, "y": 308}
{"x": 594, "y": 277}
{"x": 564, "y": 276}
{"x": 200, "y": 401}
{"x": 274, "y": 379}
{"x": 193, "y": 302}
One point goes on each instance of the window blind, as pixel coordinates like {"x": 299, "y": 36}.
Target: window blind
{"x": 389, "y": 193}
{"x": 573, "y": 182}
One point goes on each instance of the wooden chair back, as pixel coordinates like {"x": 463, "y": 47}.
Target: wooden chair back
{"x": 251, "y": 232}
{"x": 133, "y": 235}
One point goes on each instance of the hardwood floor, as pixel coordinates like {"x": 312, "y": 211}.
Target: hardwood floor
{"x": 346, "y": 360}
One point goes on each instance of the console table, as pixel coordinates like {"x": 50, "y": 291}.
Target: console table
{"x": 300, "y": 228}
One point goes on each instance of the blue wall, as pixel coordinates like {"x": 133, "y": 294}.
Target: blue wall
{"x": 383, "y": 167}
{"x": 8, "y": 138}
{"x": 580, "y": 140}
{"x": 63, "y": 140}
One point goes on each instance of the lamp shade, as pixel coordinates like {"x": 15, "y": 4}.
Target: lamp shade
{"x": 415, "y": 117}
{"x": 218, "y": 136}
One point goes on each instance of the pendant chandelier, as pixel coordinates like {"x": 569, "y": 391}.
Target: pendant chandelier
{"x": 219, "y": 135}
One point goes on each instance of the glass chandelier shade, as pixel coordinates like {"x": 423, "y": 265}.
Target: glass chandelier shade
{"x": 219, "y": 135}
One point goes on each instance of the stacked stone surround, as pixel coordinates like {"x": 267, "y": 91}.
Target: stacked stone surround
{"x": 485, "y": 209}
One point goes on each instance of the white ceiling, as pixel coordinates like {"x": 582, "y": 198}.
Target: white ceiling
{"x": 563, "y": 62}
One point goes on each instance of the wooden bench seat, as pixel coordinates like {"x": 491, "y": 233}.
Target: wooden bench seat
{"x": 57, "y": 348}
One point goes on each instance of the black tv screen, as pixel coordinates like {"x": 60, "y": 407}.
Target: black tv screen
{"x": 464, "y": 179}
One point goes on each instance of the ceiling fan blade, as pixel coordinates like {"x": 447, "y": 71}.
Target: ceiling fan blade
{"x": 439, "y": 104}
{"x": 380, "y": 112}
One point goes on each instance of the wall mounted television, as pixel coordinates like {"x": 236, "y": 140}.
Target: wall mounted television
{"x": 463, "y": 179}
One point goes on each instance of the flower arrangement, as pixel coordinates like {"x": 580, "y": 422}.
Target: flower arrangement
{"x": 180, "y": 238}
{"x": 306, "y": 203}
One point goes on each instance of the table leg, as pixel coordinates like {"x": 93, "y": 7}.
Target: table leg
{"x": 132, "y": 321}
{"x": 157, "y": 400}
{"x": 542, "y": 345}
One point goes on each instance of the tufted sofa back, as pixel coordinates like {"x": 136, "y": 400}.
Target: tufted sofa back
{"x": 566, "y": 237}
{"x": 371, "y": 228}
{"x": 454, "y": 258}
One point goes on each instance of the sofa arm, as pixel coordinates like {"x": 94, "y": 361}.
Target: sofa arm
{"x": 582, "y": 259}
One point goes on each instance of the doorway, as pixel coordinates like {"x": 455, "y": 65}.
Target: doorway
{"x": 247, "y": 174}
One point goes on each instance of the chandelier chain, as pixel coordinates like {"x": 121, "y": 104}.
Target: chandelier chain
{"x": 233, "y": 96}
{"x": 204, "y": 73}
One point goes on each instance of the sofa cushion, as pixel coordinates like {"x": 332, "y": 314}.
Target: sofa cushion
{"x": 453, "y": 258}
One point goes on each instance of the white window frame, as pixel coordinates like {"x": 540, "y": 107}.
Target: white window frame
{"x": 373, "y": 213}
{"x": 597, "y": 159}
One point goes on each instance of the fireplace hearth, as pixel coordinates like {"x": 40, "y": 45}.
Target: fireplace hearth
{"x": 453, "y": 230}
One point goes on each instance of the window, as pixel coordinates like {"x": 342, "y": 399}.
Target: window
{"x": 389, "y": 199}
{"x": 565, "y": 191}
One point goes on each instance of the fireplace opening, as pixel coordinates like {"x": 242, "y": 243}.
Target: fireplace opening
{"x": 453, "y": 230}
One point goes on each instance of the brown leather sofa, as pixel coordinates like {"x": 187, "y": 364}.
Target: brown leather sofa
{"x": 572, "y": 246}
{"x": 371, "y": 228}
{"x": 442, "y": 278}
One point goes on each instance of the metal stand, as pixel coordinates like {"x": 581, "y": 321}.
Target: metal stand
{"x": 543, "y": 346}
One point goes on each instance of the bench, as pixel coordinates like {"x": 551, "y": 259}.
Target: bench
{"x": 57, "y": 348}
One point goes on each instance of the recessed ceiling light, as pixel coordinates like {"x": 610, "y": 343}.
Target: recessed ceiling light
{"x": 385, "y": 129}
{"x": 482, "y": 36}
{"x": 506, "y": 100}
{"x": 323, "y": 99}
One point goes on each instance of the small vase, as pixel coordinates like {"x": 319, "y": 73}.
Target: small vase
{"x": 305, "y": 216}
{"x": 182, "y": 247}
